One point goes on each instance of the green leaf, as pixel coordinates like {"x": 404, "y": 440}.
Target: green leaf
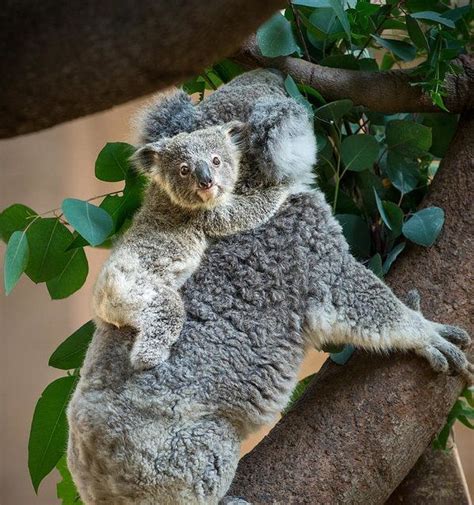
{"x": 70, "y": 353}
{"x": 347, "y": 61}
{"x": 356, "y": 232}
{"x": 65, "y": 489}
{"x": 72, "y": 276}
{"x": 443, "y": 127}
{"x": 93, "y": 223}
{"x": 402, "y": 172}
{"x": 337, "y": 5}
{"x": 359, "y": 152}
{"x": 408, "y": 137}
{"x": 296, "y": 394}
{"x": 295, "y": 93}
{"x": 392, "y": 256}
{"x": 275, "y": 37}
{"x": 15, "y": 218}
{"x": 416, "y": 33}
{"x": 48, "y": 240}
{"x": 468, "y": 394}
{"x": 403, "y": 50}
{"x": 375, "y": 264}
{"x": 16, "y": 259}
{"x": 395, "y": 217}
{"x": 324, "y": 24}
{"x": 334, "y": 111}
{"x": 424, "y": 226}
{"x": 341, "y": 358}
{"x": 381, "y": 210}
{"x": 434, "y": 17}
{"x": 48, "y": 435}
{"x": 112, "y": 164}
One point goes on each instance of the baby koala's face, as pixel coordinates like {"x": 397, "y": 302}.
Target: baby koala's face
{"x": 198, "y": 169}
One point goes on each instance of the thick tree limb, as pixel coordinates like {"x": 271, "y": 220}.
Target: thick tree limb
{"x": 360, "y": 428}
{"x": 387, "y": 92}
{"x": 436, "y": 479}
{"x": 63, "y": 60}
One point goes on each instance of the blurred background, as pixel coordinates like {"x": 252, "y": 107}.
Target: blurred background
{"x": 39, "y": 170}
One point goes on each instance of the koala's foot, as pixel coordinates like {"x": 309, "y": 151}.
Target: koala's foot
{"x": 233, "y": 500}
{"x": 147, "y": 353}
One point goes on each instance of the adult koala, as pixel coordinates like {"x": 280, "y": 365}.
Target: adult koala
{"x": 171, "y": 435}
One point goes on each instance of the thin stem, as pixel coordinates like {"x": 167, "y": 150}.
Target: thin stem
{"x": 300, "y": 31}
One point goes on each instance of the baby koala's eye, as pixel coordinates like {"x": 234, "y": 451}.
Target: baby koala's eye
{"x": 216, "y": 161}
{"x": 184, "y": 169}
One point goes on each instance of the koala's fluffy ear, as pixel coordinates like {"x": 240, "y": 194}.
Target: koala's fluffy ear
{"x": 237, "y": 132}
{"x": 146, "y": 159}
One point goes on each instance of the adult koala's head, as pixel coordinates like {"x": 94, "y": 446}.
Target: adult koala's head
{"x": 197, "y": 169}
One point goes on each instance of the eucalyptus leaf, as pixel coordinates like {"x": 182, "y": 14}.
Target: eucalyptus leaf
{"x": 381, "y": 210}
{"x": 338, "y": 7}
{"x": 70, "y": 353}
{"x": 93, "y": 223}
{"x": 47, "y": 239}
{"x": 402, "y": 50}
{"x": 434, "y": 17}
{"x": 65, "y": 489}
{"x": 295, "y": 93}
{"x": 334, "y": 111}
{"x": 341, "y": 358}
{"x": 416, "y": 33}
{"x": 356, "y": 232}
{"x": 408, "y": 137}
{"x": 72, "y": 276}
{"x": 16, "y": 259}
{"x": 375, "y": 264}
{"x": 15, "y": 218}
{"x": 359, "y": 152}
{"x": 48, "y": 435}
{"x": 112, "y": 164}
{"x": 392, "y": 256}
{"x": 424, "y": 226}
{"x": 276, "y": 38}
{"x": 402, "y": 172}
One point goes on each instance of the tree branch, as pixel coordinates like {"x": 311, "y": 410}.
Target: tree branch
{"x": 63, "y": 60}
{"x": 386, "y": 92}
{"x": 360, "y": 428}
{"x": 436, "y": 479}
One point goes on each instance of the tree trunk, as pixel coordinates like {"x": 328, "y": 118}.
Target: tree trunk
{"x": 361, "y": 427}
{"x": 63, "y": 60}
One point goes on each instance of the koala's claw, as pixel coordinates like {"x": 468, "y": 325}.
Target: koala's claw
{"x": 444, "y": 354}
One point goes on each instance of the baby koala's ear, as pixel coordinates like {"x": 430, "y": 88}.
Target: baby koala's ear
{"x": 146, "y": 159}
{"x": 237, "y": 132}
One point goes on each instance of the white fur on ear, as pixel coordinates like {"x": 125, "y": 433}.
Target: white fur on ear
{"x": 146, "y": 159}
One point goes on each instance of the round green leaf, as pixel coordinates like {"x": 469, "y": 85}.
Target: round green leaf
{"x": 333, "y": 111}
{"x": 15, "y": 218}
{"x": 112, "y": 164}
{"x": 275, "y": 37}
{"x": 72, "y": 276}
{"x": 424, "y": 226}
{"x": 359, "y": 152}
{"x": 394, "y": 215}
{"x": 93, "y": 223}
{"x": 48, "y": 435}
{"x": 356, "y": 232}
{"x": 325, "y": 25}
{"x": 48, "y": 240}
{"x": 16, "y": 259}
{"x": 408, "y": 137}
{"x": 402, "y": 172}
{"x": 70, "y": 353}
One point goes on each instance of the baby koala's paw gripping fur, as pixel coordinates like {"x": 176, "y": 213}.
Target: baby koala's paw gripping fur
{"x": 443, "y": 344}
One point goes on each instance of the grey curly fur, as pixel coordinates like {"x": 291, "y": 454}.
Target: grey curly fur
{"x": 171, "y": 435}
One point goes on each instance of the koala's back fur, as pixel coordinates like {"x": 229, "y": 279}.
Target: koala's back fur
{"x": 172, "y": 435}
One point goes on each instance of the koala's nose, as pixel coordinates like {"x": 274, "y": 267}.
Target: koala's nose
{"x": 204, "y": 176}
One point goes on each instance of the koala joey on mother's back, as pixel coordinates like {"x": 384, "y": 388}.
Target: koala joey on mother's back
{"x": 191, "y": 198}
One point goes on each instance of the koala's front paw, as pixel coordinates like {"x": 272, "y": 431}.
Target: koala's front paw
{"x": 443, "y": 350}
{"x": 147, "y": 354}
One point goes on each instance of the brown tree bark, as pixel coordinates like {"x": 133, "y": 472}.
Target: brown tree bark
{"x": 386, "y": 92}
{"x": 436, "y": 479}
{"x": 63, "y": 60}
{"x": 361, "y": 427}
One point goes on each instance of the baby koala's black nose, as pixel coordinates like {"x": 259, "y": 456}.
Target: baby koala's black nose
{"x": 203, "y": 176}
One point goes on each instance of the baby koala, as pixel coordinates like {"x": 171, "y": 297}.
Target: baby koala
{"x": 190, "y": 198}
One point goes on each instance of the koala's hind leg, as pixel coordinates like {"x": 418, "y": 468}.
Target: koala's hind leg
{"x": 363, "y": 311}
{"x": 159, "y": 325}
